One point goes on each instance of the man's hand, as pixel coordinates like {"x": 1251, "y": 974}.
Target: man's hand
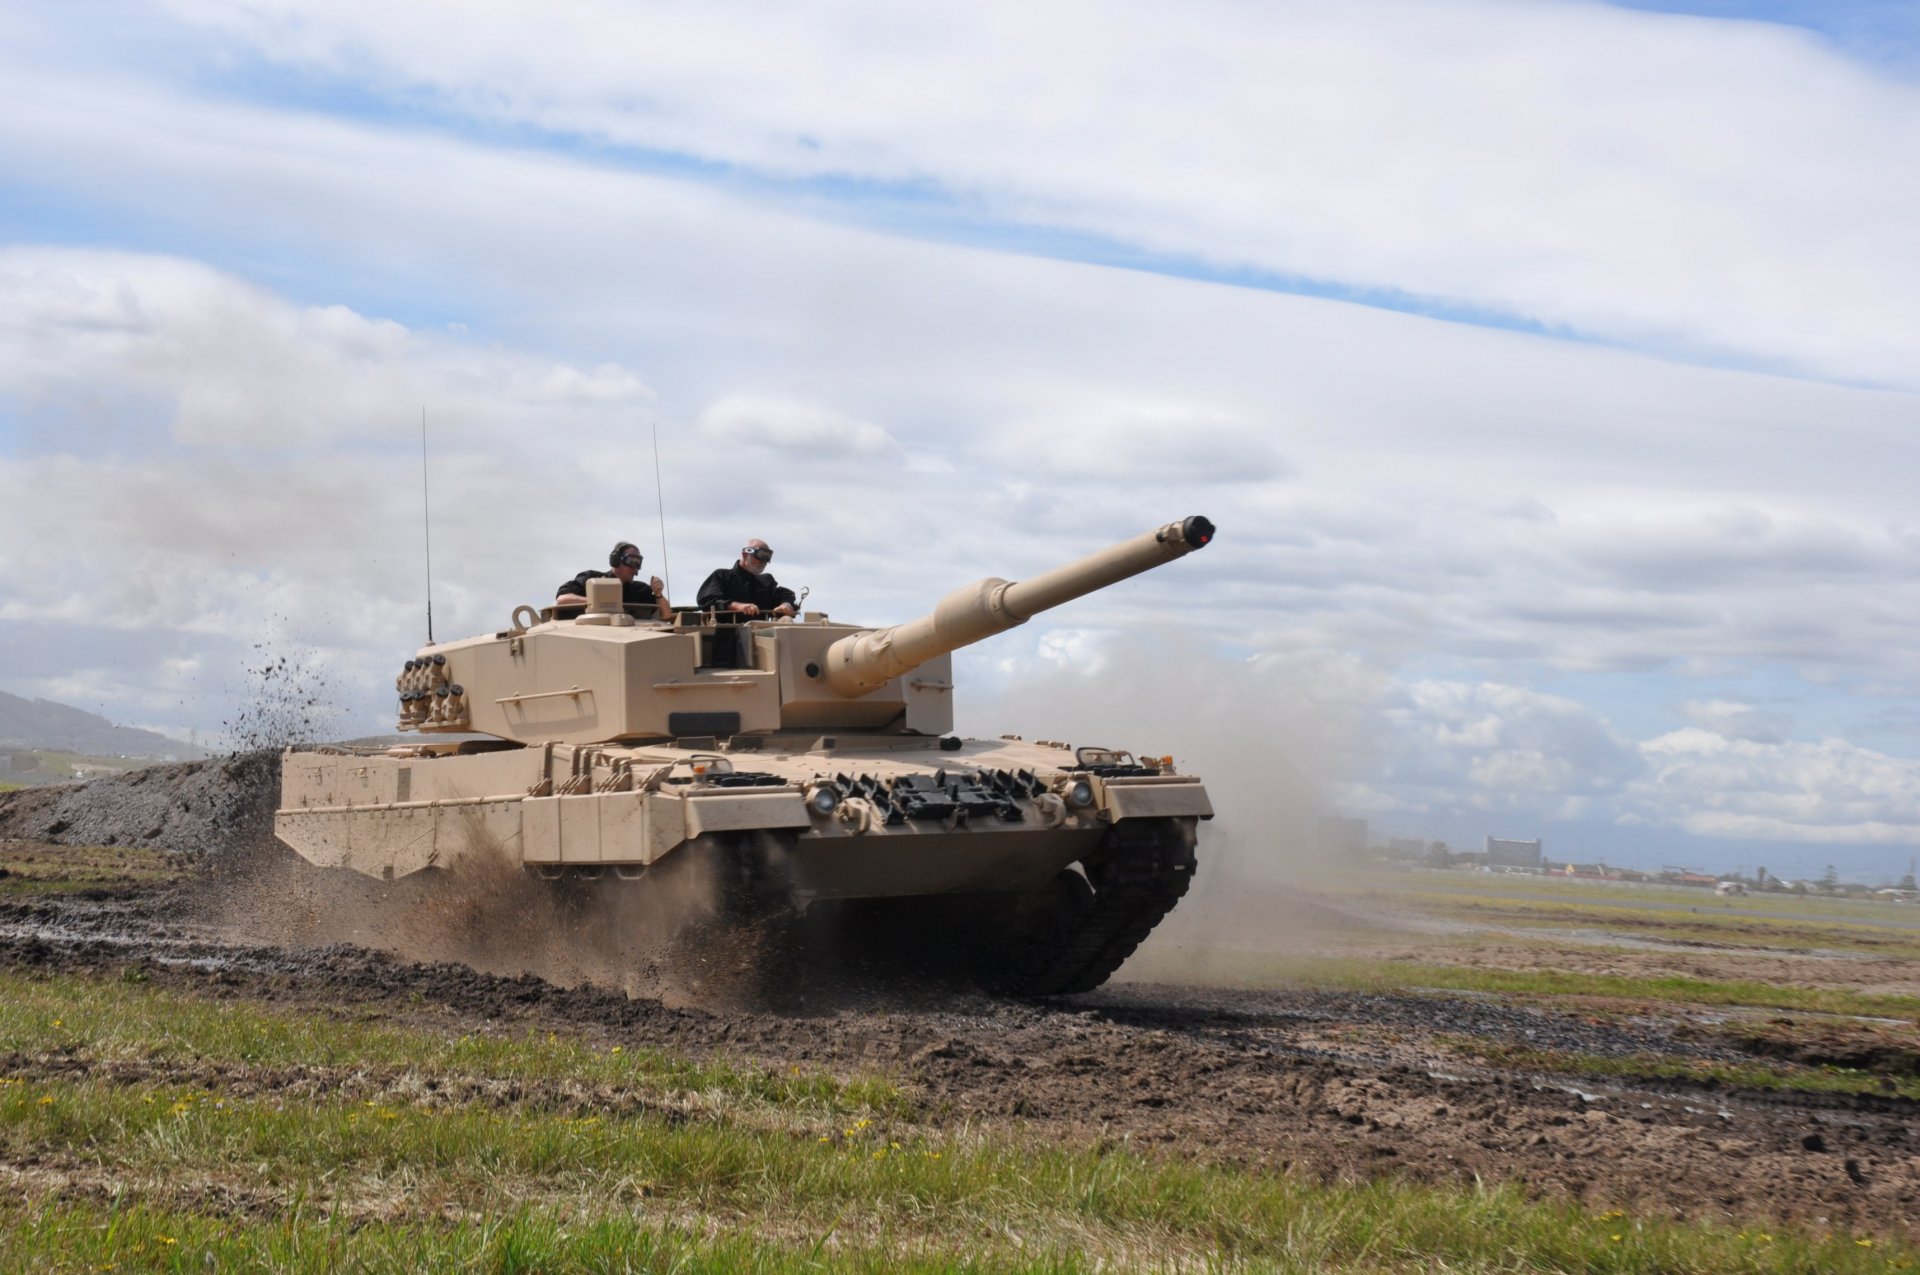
{"x": 747, "y": 609}
{"x": 785, "y": 608}
{"x": 658, "y": 586}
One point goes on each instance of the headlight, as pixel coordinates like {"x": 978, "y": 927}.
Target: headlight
{"x": 824, "y": 800}
{"x": 1080, "y": 795}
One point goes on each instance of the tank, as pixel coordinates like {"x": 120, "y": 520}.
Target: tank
{"x": 795, "y": 762}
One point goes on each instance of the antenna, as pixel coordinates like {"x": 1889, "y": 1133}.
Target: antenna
{"x": 660, "y": 500}
{"x": 426, "y": 520}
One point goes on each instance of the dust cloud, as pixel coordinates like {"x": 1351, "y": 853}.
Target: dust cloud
{"x": 1273, "y": 736}
{"x": 660, "y": 937}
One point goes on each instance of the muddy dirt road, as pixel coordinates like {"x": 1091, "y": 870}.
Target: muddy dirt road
{"x": 1337, "y": 1086}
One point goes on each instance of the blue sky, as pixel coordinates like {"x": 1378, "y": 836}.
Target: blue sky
{"x": 1548, "y": 367}
{"x": 1881, "y": 33}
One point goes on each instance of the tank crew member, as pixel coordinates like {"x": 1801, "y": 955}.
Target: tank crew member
{"x": 746, "y": 587}
{"x": 625, "y": 561}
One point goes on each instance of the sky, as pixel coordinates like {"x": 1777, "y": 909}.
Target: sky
{"x": 1549, "y": 368}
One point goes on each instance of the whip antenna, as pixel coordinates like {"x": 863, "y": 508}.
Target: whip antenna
{"x": 426, "y": 521}
{"x": 660, "y": 500}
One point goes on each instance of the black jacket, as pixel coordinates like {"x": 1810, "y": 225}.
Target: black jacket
{"x": 737, "y": 584}
{"x": 634, "y": 593}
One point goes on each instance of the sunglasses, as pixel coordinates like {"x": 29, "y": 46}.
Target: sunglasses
{"x": 765, "y": 555}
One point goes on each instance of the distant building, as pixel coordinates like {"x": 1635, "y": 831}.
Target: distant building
{"x": 1343, "y": 836}
{"x": 1502, "y": 853}
{"x": 1406, "y": 847}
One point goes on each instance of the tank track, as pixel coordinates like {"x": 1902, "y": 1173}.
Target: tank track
{"x": 1142, "y": 868}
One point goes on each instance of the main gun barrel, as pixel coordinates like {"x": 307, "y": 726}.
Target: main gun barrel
{"x": 861, "y": 662}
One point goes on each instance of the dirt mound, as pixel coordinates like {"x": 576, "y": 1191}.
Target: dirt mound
{"x": 192, "y": 808}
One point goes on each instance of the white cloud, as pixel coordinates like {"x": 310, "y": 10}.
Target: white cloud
{"x": 1735, "y": 720}
{"x": 1129, "y": 438}
{"x": 1825, "y": 791}
{"x": 1502, "y": 751}
{"x": 209, "y": 360}
{"x": 1712, "y": 185}
{"x": 1491, "y": 747}
{"x": 794, "y": 431}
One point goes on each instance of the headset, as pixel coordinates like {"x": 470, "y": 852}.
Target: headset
{"x": 618, "y": 557}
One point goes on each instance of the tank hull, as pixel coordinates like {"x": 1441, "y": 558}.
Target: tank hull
{"x": 1061, "y": 888}
{"x": 908, "y": 816}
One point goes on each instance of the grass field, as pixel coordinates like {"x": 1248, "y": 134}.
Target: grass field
{"x": 1756, "y": 920}
{"x": 174, "y": 1128}
{"x": 57, "y": 767}
{"x": 31, "y": 869}
{"x": 239, "y": 1134}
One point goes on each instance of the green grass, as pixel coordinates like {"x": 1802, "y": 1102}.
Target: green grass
{"x": 521, "y": 1190}
{"x": 59, "y": 766}
{"x": 1751, "y": 1075}
{"x": 1361, "y": 974}
{"x": 36, "y": 869}
{"x": 156, "y": 1130}
{"x": 129, "y": 1022}
{"x": 1328, "y": 1230}
{"x": 1550, "y": 888}
{"x": 1711, "y": 923}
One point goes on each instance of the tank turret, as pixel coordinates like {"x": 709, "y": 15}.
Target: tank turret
{"x": 602, "y": 676}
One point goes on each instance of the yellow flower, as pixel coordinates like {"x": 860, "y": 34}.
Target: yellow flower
{"x": 1864, "y": 1243}
{"x": 616, "y": 1049}
{"x": 58, "y": 1022}
{"x": 47, "y": 1101}
{"x": 825, "y": 1138}
{"x": 167, "y": 1239}
{"x": 1614, "y": 1238}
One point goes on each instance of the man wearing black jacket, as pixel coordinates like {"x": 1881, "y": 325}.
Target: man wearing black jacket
{"x": 746, "y": 587}
{"x": 625, "y": 561}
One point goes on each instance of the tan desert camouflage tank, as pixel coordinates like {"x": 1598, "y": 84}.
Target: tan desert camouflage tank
{"x": 799, "y": 760}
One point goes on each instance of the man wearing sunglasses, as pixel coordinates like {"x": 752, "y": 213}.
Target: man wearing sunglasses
{"x": 745, "y": 587}
{"x": 639, "y": 598}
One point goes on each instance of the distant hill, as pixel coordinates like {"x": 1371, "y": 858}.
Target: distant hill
{"x": 41, "y": 723}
